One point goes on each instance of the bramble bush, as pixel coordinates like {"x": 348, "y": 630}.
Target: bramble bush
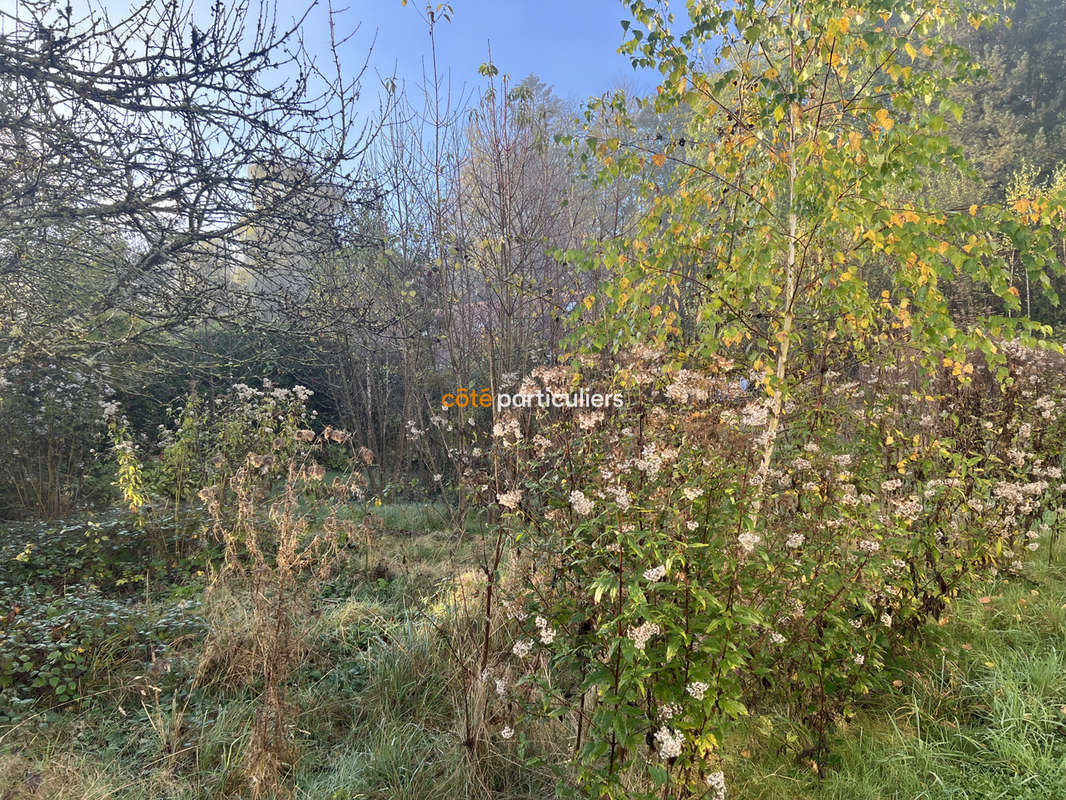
{"x": 61, "y": 646}
{"x": 671, "y": 594}
{"x": 108, "y": 550}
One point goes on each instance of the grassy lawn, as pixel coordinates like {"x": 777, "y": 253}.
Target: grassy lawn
{"x": 977, "y": 710}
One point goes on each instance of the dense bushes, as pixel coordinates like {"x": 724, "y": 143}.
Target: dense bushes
{"x": 673, "y": 594}
{"x": 50, "y": 423}
{"x": 69, "y": 611}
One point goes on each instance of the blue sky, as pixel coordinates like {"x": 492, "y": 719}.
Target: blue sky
{"x": 569, "y": 44}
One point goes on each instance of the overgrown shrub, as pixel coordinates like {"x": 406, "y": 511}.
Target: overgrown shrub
{"x": 208, "y": 441}
{"x": 116, "y": 551}
{"x": 673, "y": 591}
{"x": 50, "y": 423}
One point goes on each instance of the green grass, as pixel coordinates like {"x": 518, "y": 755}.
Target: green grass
{"x": 977, "y": 711}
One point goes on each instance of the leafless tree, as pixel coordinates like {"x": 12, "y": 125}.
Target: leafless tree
{"x": 161, "y": 170}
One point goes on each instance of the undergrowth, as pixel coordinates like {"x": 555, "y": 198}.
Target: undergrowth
{"x": 976, "y": 711}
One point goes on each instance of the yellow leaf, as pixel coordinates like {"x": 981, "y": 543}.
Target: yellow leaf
{"x": 884, "y": 120}
{"x": 590, "y": 301}
{"x": 973, "y": 210}
{"x": 910, "y": 50}
{"x": 658, "y": 159}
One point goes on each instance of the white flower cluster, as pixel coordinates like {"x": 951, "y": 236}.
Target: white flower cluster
{"x": 414, "y": 433}
{"x": 794, "y": 541}
{"x": 909, "y": 509}
{"x": 621, "y": 497}
{"x": 1046, "y": 406}
{"x": 110, "y": 408}
{"x": 669, "y": 710}
{"x": 716, "y": 782}
{"x": 581, "y": 504}
{"x": 587, "y": 420}
{"x": 692, "y": 492}
{"x": 547, "y": 633}
{"x": 669, "y": 742}
{"x": 1021, "y": 495}
{"x": 509, "y": 426}
{"x": 655, "y": 574}
{"x": 748, "y": 542}
{"x": 641, "y": 635}
{"x": 651, "y": 461}
{"x": 245, "y": 392}
{"x": 522, "y": 647}
{"x": 697, "y": 689}
{"x": 755, "y": 415}
{"x": 510, "y": 499}
{"x": 688, "y": 386}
